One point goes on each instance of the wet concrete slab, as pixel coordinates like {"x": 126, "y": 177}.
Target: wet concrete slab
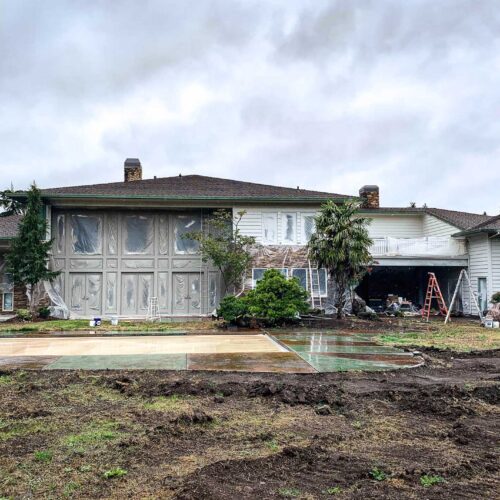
{"x": 120, "y": 362}
{"x": 26, "y": 362}
{"x": 279, "y": 362}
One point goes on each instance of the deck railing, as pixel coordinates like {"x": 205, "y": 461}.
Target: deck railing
{"x": 427, "y": 246}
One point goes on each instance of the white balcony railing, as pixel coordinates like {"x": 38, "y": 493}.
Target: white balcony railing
{"x": 431, "y": 245}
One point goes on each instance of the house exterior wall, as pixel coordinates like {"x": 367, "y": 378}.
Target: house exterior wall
{"x": 479, "y": 267}
{"x": 136, "y": 256}
{"x": 432, "y": 226}
{"x": 495, "y": 264}
{"x": 396, "y": 226}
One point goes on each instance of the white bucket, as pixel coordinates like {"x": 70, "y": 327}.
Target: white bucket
{"x": 488, "y": 323}
{"x": 496, "y": 324}
{"x": 114, "y": 321}
{"x": 92, "y": 322}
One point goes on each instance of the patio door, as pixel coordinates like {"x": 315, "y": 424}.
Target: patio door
{"x": 85, "y": 293}
{"x": 136, "y": 291}
{"x": 482, "y": 295}
{"x": 186, "y": 300}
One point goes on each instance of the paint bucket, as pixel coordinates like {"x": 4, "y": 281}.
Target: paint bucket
{"x": 92, "y": 322}
{"x": 496, "y": 324}
{"x": 97, "y": 321}
{"x": 488, "y": 323}
{"x": 114, "y": 321}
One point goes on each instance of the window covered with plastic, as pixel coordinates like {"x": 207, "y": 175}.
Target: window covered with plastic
{"x": 163, "y": 232}
{"x": 86, "y": 234}
{"x": 212, "y": 291}
{"x": 60, "y": 233}
{"x": 289, "y": 228}
{"x": 138, "y": 234}
{"x": 308, "y": 227}
{"x": 112, "y": 233}
{"x": 183, "y": 225}
{"x": 319, "y": 277}
{"x": 269, "y": 228}
{"x": 301, "y": 275}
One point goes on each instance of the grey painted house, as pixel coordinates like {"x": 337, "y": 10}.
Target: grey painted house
{"x": 118, "y": 244}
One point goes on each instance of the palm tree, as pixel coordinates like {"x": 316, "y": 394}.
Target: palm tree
{"x": 341, "y": 245}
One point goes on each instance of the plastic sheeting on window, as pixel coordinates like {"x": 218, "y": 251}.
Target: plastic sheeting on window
{"x": 129, "y": 292}
{"x": 55, "y": 291}
{"x": 301, "y": 275}
{"x": 289, "y": 228}
{"x": 163, "y": 291}
{"x": 145, "y": 287}
{"x": 308, "y": 227}
{"x": 6, "y": 283}
{"x": 111, "y": 290}
{"x": 112, "y": 233}
{"x": 163, "y": 232}
{"x": 60, "y": 233}
{"x": 179, "y": 290}
{"x": 86, "y": 234}
{"x": 184, "y": 224}
{"x": 195, "y": 293}
{"x": 139, "y": 234}
{"x": 212, "y": 290}
{"x": 269, "y": 228}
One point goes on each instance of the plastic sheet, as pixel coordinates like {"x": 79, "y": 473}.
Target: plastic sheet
{"x": 179, "y": 290}
{"x": 289, "y": 228}
{"x": 111, "y": 290}
{"x": 55, "y": 291}
{"x": 308, "y": 227}
{"x": 163, "y": 232}
{"x": 212, "y": 291}
{"x": 269, "y": 228}
{"x": 163, "y": 291}
{"x": 145, "y": 286}
{"x": 86, "y": 234}
{"x": 139, "y": 234}
{"x": 6, "y": 284}
{"x": 112, "y": 233}
{"x": 195, "y": 293}
{"x": 60, "y": 233}
{"x": 184, "y": 224}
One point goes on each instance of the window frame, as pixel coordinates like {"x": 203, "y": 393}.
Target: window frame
{"x": 254, "y": 282}
{"x": 3, "y": 302}
{"x": 308, "y": 289}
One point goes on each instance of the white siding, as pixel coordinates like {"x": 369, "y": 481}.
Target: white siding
{"x": 251, "y": 223}
{"x": 495, "y": 264}
{"x": 396, "y": 226}
{"x": 479, "y": 266}
{"x": 433, "y": 226}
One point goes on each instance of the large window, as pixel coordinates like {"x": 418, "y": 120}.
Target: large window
{"x": 86, "y": 234}
{"x": 139, "y": 234}
{"x": 289, "y": 228}
{"x": 183, "y": 225}
{"x": 270, "y": 228}
{"x": 8, "y": 301}
{"x": 308, "y": 227}
{"x": 258, "y": 273}
{"x": 319, "y": 277}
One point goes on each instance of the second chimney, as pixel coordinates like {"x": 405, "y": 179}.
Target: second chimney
{"x": 132, "y": 170}
{"x": 370, "y": 197}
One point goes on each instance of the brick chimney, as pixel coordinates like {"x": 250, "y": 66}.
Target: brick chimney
{"x": 132, "y": 170}
{"x": 370, "y": 197}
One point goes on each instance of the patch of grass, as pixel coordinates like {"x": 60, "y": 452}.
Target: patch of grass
{"x": 85, "y": 468}
{"x": 6, "y": 379}
{"x": 43, "y": 456}
{"x": 19, "y": 428}
{"x": 427, "y": 480}
{"x": 116, "y": 472}
{"x": 459, "y": 337}
{"x": 167, "y": 403}
{"x": 97, "y": 433}
{"x": 70, "y": 488}
{"x": 357, "y": 424}
{"x": 334, "y": 490}
{"x": 272, "y": 445}
{"x": 378, "y": 474}
{"x": 289, "y": 492}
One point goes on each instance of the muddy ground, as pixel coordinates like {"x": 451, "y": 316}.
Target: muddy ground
{"x": 191, "y": 435}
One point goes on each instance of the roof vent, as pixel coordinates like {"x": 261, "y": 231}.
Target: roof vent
{"x": 132, "y": 170}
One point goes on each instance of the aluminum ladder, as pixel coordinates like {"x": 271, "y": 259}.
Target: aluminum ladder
{"x": 153, "y": 309}
{"x": 315, "y": 288}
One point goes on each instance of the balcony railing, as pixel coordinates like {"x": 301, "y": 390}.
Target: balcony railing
{"x": 431, "y": 245}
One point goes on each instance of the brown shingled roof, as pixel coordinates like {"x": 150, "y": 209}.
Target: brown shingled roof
{"x": 8, "y": 226}
{"x": 194, "y": 187}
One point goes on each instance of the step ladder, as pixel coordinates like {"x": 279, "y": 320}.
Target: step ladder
{"x": 153, "y": 309}
{"x": 315, "y": 288}
{"x": 433, "y": 292}
{"x": 464, "y": 277}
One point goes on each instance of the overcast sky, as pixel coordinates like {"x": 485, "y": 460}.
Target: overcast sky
{"x": 328, "y": 95}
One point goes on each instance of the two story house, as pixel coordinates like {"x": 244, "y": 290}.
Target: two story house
{"x": 118, "y": 244}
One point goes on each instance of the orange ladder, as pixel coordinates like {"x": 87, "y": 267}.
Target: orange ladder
{"x": 433, "y": 292}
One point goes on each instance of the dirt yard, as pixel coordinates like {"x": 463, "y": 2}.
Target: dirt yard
{"x": 429, "y": 432}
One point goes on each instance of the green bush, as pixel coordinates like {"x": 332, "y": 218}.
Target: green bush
{"x": 275, "y": 300}
{"x": 44, "y": 312}
{"x": 23, "y": 314}
{"x": 232, "y": 309}
{"x": 495, "y": 298}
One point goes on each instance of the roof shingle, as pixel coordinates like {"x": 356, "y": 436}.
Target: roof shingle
{"x": 9, "y": 225}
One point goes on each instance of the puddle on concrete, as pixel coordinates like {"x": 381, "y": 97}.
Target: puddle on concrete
{"x": 329, "y": 352}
